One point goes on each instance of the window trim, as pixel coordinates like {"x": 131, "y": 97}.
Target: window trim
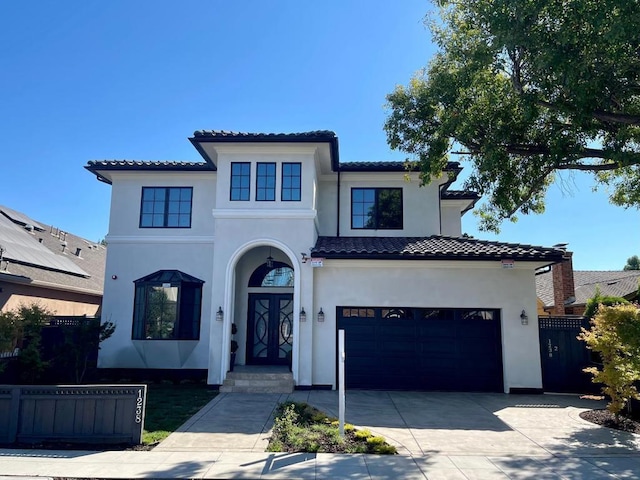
{"x": 166, "y": 207}
{"x": 275, "y": 179}
{"x": 231, "y": 187}
{"x": 377, "y": 191}
{"x": 179, "y": 280}
{"x": 282, "y": 188}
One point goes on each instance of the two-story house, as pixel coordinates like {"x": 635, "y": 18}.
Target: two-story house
{"x": 272, "y": 233}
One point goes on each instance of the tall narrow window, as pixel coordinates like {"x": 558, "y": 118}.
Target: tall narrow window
{"x": 291, "y": 180}
{"x": 166, "y": 207}
{"x": 266, "y": 182}
{"x": 376, "y": 208}
{"x": 240, "y": 181}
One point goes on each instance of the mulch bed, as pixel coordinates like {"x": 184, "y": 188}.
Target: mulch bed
{"x": 607, "y": 419}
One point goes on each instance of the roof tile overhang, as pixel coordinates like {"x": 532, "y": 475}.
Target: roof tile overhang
{"x": 435, "y": 247}
{"x": 97, "y": 166}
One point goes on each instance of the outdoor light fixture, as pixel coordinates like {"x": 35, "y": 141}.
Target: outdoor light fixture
{"x": 219, "y": 314}
{"x": 523, "y": 318}
{"x": 303, "y": 315}
{"x": 321, "y": 315}
{"x": 270, "y": 259}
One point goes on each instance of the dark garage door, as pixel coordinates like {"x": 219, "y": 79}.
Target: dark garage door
{"x": 422, "y": 349}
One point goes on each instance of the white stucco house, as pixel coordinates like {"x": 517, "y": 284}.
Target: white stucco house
{"x": 272, "y": 233}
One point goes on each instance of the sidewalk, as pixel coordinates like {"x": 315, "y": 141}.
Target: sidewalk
{"x": 439, "y": 436}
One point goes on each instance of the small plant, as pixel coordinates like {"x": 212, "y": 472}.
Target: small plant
{"x": 299, "y": 427}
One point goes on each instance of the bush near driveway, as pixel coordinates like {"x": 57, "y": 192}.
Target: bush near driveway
{"x": 299, "y": 427}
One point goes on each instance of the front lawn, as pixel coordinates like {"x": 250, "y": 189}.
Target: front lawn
{"x": 299, "y": 427}
{"x": 169, "y": 406}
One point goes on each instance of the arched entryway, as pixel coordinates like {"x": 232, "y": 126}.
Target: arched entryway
{"x": 263, "y": 301}
{"x": 269, "y": 339}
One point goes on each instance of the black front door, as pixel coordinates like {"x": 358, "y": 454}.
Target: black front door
{"x": 270, "y": 328}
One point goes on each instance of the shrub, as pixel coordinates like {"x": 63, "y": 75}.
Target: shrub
{"x": 615, "y": 335}
{"x": 598, "y": 299}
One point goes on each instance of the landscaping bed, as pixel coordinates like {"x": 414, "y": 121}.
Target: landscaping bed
{"x": 627, "y": 423}
{"x": 299, "y": 427}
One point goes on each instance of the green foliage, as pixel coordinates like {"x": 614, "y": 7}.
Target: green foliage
{"x": 299, "y": 427}
{"x": 615, "y": 335}
{"x": 598, "y": 299}
{"x": 524, "y": 90}
{"x": 9, "y": 331}
{"x": 633, "y": 263}
{"x": 31, "y": 319}
{"x": 80, "y": 342}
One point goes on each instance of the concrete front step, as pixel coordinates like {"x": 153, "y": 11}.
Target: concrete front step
{"x": 243, "y": 381}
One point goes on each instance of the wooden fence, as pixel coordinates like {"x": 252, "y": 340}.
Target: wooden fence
{"x": 111, "y": 414}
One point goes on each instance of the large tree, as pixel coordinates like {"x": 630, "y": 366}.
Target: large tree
{"x": 525, "y": 89}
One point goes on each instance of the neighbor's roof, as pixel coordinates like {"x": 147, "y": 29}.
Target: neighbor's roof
{"x": 34, "y": 254}
{"x": 435, "y": 247}
{"x": 616, "y": 283}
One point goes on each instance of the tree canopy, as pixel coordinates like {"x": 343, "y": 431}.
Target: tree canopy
{"x": 633, "y": 263}
{"x": 522, "y": 91}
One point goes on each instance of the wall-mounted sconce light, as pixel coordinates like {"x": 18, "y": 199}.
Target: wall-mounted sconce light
{"x": 219, "y": 314}
{"x": 303, "y": 315}
{"x": 524, "y": 320}
{"x": 321, "y": 315}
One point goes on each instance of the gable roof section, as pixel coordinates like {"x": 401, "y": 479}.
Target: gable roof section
{"x": 616, "y": 283}
{"x": 435, "y": 247}
{"x": 37, "y": 257}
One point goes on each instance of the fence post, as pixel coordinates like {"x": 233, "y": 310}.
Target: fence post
{"x": 15, "y": 412}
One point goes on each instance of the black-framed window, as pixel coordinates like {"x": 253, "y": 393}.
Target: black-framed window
{"x": 265, "y": 182}
{"x": 240, "y": 181}
{"x": 376, "y": 208}
{"x": 291, "y": 182}
{"x": 167, "y": 306}
{"x": 166, "y": 207}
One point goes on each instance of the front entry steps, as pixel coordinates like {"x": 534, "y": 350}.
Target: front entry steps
{"x": 258, "y": 379}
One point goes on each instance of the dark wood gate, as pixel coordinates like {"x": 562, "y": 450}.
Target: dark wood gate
{"x": 563, "y": 356}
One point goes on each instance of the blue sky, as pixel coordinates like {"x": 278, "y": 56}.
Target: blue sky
{"x": 89, "y": 80}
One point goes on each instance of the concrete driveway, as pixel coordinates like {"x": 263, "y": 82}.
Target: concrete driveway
{"x": 474, "y": 435}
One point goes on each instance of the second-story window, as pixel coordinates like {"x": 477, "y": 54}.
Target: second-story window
{"x": 240, "y": 181}
{"x": 166, "y": 207}
{"x": 266, "y": 182}
{"x": 376, "y": 208}
{"x": 291, "y": 176}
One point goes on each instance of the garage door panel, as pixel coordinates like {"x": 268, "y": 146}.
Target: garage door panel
{"x": 429, "y": 349}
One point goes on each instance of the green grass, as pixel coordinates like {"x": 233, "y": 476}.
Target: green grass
{"x": 169, "y": 406}
{"x": 299, "y": 427}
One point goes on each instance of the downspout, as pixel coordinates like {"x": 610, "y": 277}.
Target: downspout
{"x": 338, "y": 209}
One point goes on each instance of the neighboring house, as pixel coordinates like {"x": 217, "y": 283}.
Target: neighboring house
{"x": 564, "y": 291}
{"x": 42, "y": 264}
{"x": 273, "y": 233}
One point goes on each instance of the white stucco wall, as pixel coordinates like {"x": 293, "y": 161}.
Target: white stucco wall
{"x": 432, "y": 284}
{"x": 451, "y": 220}
{"x": 421, "y": 216}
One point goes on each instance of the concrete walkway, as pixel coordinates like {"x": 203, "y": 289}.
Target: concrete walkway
{"x": 439, "y": 436}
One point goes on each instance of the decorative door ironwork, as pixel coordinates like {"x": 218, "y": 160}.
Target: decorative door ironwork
{"x": 270, "y": 328}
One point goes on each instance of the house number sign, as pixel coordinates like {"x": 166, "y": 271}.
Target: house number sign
{"x": 551, "y": 348}
{"x": 139, "y": 404}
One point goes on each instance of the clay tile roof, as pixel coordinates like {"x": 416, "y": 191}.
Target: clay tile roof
{"x": 145, "y": 165}
{"x": 388, "y": 167}
{"x": 430, "y": 248}
{"x": 273, "y": 137}
{"x": 459, "y": 195}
